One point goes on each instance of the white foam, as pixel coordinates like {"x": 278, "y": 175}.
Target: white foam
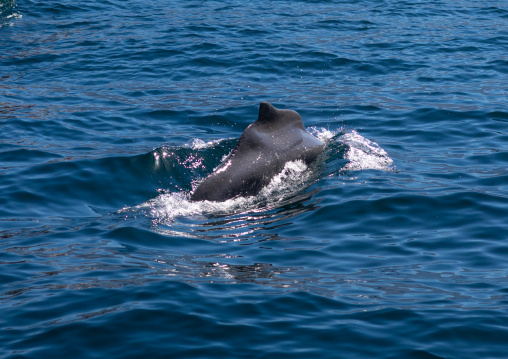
{"x": 166, "y": 207}
{"x": 292, "y": 177}
{"x": 364, "y": 154}
{"x": 13, "y": 16}
{"x": 198, "y": 144}
{"x": 322, "y": 134}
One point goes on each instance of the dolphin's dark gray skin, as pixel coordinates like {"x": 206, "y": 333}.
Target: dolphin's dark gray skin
{"x": 277, "y": 137}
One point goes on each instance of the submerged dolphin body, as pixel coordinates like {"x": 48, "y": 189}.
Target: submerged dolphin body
{"x": 277, "y": 137}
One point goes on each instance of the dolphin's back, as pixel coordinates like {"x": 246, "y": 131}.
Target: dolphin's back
{"x": 277, "y": 137}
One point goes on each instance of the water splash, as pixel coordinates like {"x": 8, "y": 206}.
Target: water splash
{"x": 364, "y": 154}
{"x": 166, "y": 207}
{"x": 284, "y": 188}
{"x": 323, "y": 134}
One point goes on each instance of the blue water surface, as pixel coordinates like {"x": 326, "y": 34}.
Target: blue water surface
{"x": 393, "y": 244}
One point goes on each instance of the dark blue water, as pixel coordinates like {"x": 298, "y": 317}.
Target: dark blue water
{"x": 393, "y": 244}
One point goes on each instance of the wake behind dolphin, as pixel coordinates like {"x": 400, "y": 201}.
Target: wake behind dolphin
{"x": 276, "y": 138}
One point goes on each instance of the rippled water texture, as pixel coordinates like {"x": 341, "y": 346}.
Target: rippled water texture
{"x": 392, "y": 244}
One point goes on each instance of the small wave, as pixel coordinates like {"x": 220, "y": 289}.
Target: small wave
{"x": 361, "y": 153}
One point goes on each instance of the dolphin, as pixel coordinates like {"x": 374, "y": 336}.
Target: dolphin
{"x": 277, "y": 137}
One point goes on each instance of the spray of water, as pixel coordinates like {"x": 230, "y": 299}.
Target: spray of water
{"x": 361, "y": 154}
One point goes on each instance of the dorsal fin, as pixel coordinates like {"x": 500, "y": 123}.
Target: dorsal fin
{"x": 274, "y": 118}
{"x": 267, "y": 113}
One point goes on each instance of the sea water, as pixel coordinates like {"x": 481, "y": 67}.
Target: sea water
{"x": 393, "y": 244}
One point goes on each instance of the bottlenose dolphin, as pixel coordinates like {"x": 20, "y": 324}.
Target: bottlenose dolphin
{"x": 277, "y": 137}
